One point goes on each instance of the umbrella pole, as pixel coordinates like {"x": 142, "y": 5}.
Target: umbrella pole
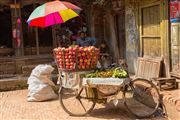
{"x": 37, "y": 41}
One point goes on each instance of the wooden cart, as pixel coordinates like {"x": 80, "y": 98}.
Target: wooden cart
{"x": 78, "y": 95}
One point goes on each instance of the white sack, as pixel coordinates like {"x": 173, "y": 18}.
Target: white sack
{"x": 43, "y": 73}
{"x": 39, "y": 84}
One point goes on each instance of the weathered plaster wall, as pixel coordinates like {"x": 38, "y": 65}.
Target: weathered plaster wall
{"x": 132, "y": 37}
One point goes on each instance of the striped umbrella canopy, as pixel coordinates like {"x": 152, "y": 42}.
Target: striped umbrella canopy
{"x": 55, "y": 12}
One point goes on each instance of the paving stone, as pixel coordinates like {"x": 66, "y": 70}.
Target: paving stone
{"x": 13, "y": 106}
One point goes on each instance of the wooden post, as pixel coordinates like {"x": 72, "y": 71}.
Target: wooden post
{"x": 165, "y": 36}
{"x": 16, "y": 26}
{"x": 37, "y": 41}
{"x": 22, "y": 39}
{"x": 114, "y": 39}
{"x": 37, "y": 37}
{"x": 90, "y": 21}
{"x": 15, "y": 13}
{"x": 54, "y": 36}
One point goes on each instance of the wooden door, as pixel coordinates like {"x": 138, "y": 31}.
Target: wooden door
{"x": 150, "y": 30}
{"x": 175, "y": 49}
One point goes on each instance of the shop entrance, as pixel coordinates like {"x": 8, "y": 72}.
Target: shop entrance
{"x": 36, "y": 40}
{"x": 5, "y": 31}
{"x": 120, "y": 33}
{"x": 68, "y": 32}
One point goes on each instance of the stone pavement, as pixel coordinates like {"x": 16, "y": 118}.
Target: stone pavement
{"x": 13, "y": 106}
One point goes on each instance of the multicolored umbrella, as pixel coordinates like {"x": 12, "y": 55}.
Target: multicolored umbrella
{"x": 51, "y": 13}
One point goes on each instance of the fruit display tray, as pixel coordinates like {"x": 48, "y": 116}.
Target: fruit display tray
{"x": 105, "y": 81}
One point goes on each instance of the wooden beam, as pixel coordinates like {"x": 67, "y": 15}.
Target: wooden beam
{"x": 14, "y": 5}
{"x": 5, "y": 2}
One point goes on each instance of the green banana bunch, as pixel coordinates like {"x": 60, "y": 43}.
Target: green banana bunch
{"x": 90, "y": 75}
{"x": 116, "y": 73}
{"x": 119, "y": 73}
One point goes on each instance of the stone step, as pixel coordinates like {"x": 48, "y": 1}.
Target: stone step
{"x": 38, "y": 61}
{"x": 18, "y": 82}
{"x": 13, "y": 83}
{"x": 7, "y": 67}
{"x": 13, "y": 65}
{"x": 31, "y": 63}
{"x": 27, "y": 69}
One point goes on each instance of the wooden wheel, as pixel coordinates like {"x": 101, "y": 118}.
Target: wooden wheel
{"x": 141, "y": 98}
{"x": 76, "y": 102}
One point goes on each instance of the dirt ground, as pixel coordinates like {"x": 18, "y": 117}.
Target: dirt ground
{"x": 13, "y": 106}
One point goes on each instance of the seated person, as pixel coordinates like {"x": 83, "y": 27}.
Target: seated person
{"x": 105, "y": 59}
{"x": 83, "y": 40}
{"x": 103, "y": 48}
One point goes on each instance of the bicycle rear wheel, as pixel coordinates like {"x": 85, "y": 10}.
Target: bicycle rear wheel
{"x": 76, "y": 102}
{"x": 141, "y": 98}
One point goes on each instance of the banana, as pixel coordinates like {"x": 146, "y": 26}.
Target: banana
{"x": 116, "y": 73}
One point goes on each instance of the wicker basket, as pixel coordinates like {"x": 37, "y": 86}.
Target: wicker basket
{"x": 77, "y": 58}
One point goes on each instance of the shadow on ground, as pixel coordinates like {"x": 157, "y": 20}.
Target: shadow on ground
{"x": 119, "y": 112}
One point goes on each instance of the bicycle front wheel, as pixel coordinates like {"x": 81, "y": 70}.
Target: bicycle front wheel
{"x": 141, "y": 98}
{"x": 76, "y": 102}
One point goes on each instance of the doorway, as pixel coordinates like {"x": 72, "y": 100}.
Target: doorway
{"x": 119, "y": 20}
{"x": 6, "y": 27}
{"x": 6, "y": 43}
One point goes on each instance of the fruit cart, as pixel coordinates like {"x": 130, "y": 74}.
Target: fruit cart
{"x": 81, "y": 88}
